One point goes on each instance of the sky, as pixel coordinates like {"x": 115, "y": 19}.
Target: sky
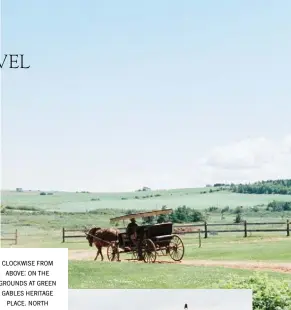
{"x": 164, "y": 94}
{"x": 162, "y": 299}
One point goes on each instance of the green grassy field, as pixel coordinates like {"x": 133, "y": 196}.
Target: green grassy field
{"x": 42, "y": 228}
{"x": 129, "y": 275}
{"x": 81, "y": 202}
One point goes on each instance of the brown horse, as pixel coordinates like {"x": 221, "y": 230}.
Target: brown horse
{"x": 103, "y": 238}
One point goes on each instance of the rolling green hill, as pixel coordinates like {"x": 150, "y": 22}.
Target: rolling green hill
{"x": 198, "y": 198}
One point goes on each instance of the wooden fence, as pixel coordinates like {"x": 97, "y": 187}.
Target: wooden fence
{"x": 206, "y": 228}
{"x": 11, "y": 236}
{"x": 243, "y": 227}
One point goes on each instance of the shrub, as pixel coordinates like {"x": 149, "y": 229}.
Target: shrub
{"x": 148, "y": 220}
{"x": 279, "y": 206}
{"x": 23, "y": 208}
{"x": 238, "y": 219}
{"x": 225, "y": 209}
{"x": 212, "y": 209}
{"x": 181, "y": 215}
{"x": 186, "y": 215}
{"x": 255, "y": 209}
{"x": 268, "y": 294}
{"x": 238, "y": 210}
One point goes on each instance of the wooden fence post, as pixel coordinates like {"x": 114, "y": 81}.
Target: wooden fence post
{"x": 246, "y": 230}
{"x": 16, "y": 236}
{"x": 288, "y": 228}
{"x": 199, "y": 232}
{"x": 63, "y": 235}
{"x": 205, "y": 230}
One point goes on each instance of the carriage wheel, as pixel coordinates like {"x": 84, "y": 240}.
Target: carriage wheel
{"x": 134, "y": 255}
{"x": 149, "y": 252}
{"x": 176, "y": 248}
{"x": 112, "y": 252}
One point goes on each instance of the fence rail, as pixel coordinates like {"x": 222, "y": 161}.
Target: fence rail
{"x": 15, "y": 234}
{"x": 78, "y": 230}
{"x": 202, "y": 229}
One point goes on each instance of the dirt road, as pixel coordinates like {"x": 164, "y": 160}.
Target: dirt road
{"x": 250, "y": 265}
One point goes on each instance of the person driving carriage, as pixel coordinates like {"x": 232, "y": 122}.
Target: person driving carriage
{"x": 131, "y": 231}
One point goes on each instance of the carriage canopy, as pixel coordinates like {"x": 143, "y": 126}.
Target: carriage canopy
{"x": 140, "y": 215}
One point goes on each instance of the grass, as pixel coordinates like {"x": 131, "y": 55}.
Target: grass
{"x": 89, "y": 275}
{"x": 80, "y": 202}
{"x": 40, "y": 218}
{"x": 250, "y": 249}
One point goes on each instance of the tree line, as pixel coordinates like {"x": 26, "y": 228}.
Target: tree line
{"x": 280, "y": 187}
{"x": 186, "y": 214}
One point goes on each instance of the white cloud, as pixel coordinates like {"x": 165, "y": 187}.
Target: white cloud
{"x": 250, "y": 160}
{"x": 247, "y": 160}
{"x": 243, "y": 161}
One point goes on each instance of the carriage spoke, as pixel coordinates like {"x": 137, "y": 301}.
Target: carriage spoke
{"x": 134, "y": 255}
{"x": 149, "y": 252}
{"x": 176, "y": 248}
{"x": 113, "y": 252}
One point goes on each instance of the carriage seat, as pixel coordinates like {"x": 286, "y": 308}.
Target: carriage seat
{"x": 124, "y": 241}
{"x": 123, "y": 238}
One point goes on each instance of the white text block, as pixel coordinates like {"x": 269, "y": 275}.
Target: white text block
{"x": 34, "y": 278}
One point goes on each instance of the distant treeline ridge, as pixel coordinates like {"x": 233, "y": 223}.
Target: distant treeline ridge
{"x": 280, "y": 187}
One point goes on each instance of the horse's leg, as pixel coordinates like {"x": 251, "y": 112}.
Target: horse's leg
{"x": 101, "y": 254}
{"x": 97, "y": 254}
{"x": 99, "y": 251}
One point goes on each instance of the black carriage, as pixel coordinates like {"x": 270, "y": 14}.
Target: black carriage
{"x": 152, "y": 240}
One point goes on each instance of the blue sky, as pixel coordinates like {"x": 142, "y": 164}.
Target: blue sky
{"x": 163, "y": 299}
{"x": 152, "y": 93}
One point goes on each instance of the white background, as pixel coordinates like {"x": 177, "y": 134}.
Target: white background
{"x": 160, "y": 299}
{"x": 58, "y": 272}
